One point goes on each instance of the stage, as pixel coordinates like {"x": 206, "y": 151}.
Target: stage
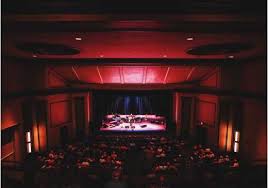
{"x": 133, "y": 123}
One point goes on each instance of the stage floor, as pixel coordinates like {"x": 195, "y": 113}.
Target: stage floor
{"x": 125, "y": 127}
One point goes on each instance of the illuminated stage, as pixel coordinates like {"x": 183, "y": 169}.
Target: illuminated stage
{"x": 134, "y": 123}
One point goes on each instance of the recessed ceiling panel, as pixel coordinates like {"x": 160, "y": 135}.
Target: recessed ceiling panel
{"x": 110, "y": 74}
{"x": 89, "y": 74}
{"x": 177, "y": 74}
{"x": 156, "y": 74}
{"x": 133, "y": 74}
{"x": 200, "y": 72}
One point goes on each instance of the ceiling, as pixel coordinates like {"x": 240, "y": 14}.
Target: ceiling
{"x": 132, "y": 74}
{"x": 133, "y": 44}
{"x": 99, "y": 30}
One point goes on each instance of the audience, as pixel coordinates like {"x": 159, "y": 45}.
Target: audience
{"x": 150, "y": 159}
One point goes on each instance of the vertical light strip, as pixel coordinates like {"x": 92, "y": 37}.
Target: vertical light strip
{"x": 237, "y": 136}
{"x": 121, "y": 75}
{"x": 190, "y": 73}
{"x": 88, "y": 107}
{"x": 35, "y": 137}
{"x": 229, "y": 136}
{"x": 28, "y": 142}
{"x": 29, "y": 148}
{"x": 144, "y": 75}
{"x": 75, "y": 73}
{"x": 176, "y": 108}
{"x": 99, "y": 75}
{"x": 164, "y": 81}
{"x": 236, "y": 147}
{"x": 28, "y": 136}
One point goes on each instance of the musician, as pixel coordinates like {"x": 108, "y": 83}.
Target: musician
{"x": 132, "y": 120}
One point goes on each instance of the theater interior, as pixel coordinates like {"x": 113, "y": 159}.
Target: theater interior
{"x": 125, "y": 93}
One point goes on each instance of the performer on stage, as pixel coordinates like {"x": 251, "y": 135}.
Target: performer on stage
{"x": 132, "y": 120}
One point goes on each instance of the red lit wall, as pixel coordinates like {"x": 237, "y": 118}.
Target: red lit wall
{"x": 177, "y": 112}
{"x": 254, "y": 131}
{"x": 248, "y": 77}
{"x": 59, "y": 115}
{"x": 17, "y": 77}
{"x": 60, "y": 112}
{"x": 59, "y": 108}
{"x": 207, "y": 112}
{"x": 207, "y": 109}
{"x": 87, "y": 110}
{"x": 10, "y": 113}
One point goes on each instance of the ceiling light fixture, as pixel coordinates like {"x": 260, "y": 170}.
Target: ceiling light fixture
{"x": 190, "y": 38}
{"x": 78, "y": 38}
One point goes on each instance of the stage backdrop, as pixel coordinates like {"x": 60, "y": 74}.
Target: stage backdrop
{"x": 127, "y": 102}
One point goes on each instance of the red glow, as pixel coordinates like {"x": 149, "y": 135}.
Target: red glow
{"x": 60, "y": 113}
{"x": 11, "y": 114}
{"x": 222, "y": 135}
{"x": 206, "y": 112}
{"x": 133, "y": 74}
{"x": 110, "y": 74}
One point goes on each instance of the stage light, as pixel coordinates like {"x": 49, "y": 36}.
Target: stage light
{"x": 78, "y": 38}
{"x": 28, "y": 136}
{"x": 236, "y": 141}
{"x": 101, "y": 55}
{"x": 165, "y": 56}
{"x": 34, "y": 56}
{"x": 236, "y": 147}
{"x": 29, "y": 148}
{"x": 190, "y": 38}
{"x": 231, "y": 56}
{"x": 237, "y": 136}
{"x": 28, "y": 142}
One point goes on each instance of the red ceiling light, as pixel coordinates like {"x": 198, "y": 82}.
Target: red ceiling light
{"x": 101, "y": 55}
